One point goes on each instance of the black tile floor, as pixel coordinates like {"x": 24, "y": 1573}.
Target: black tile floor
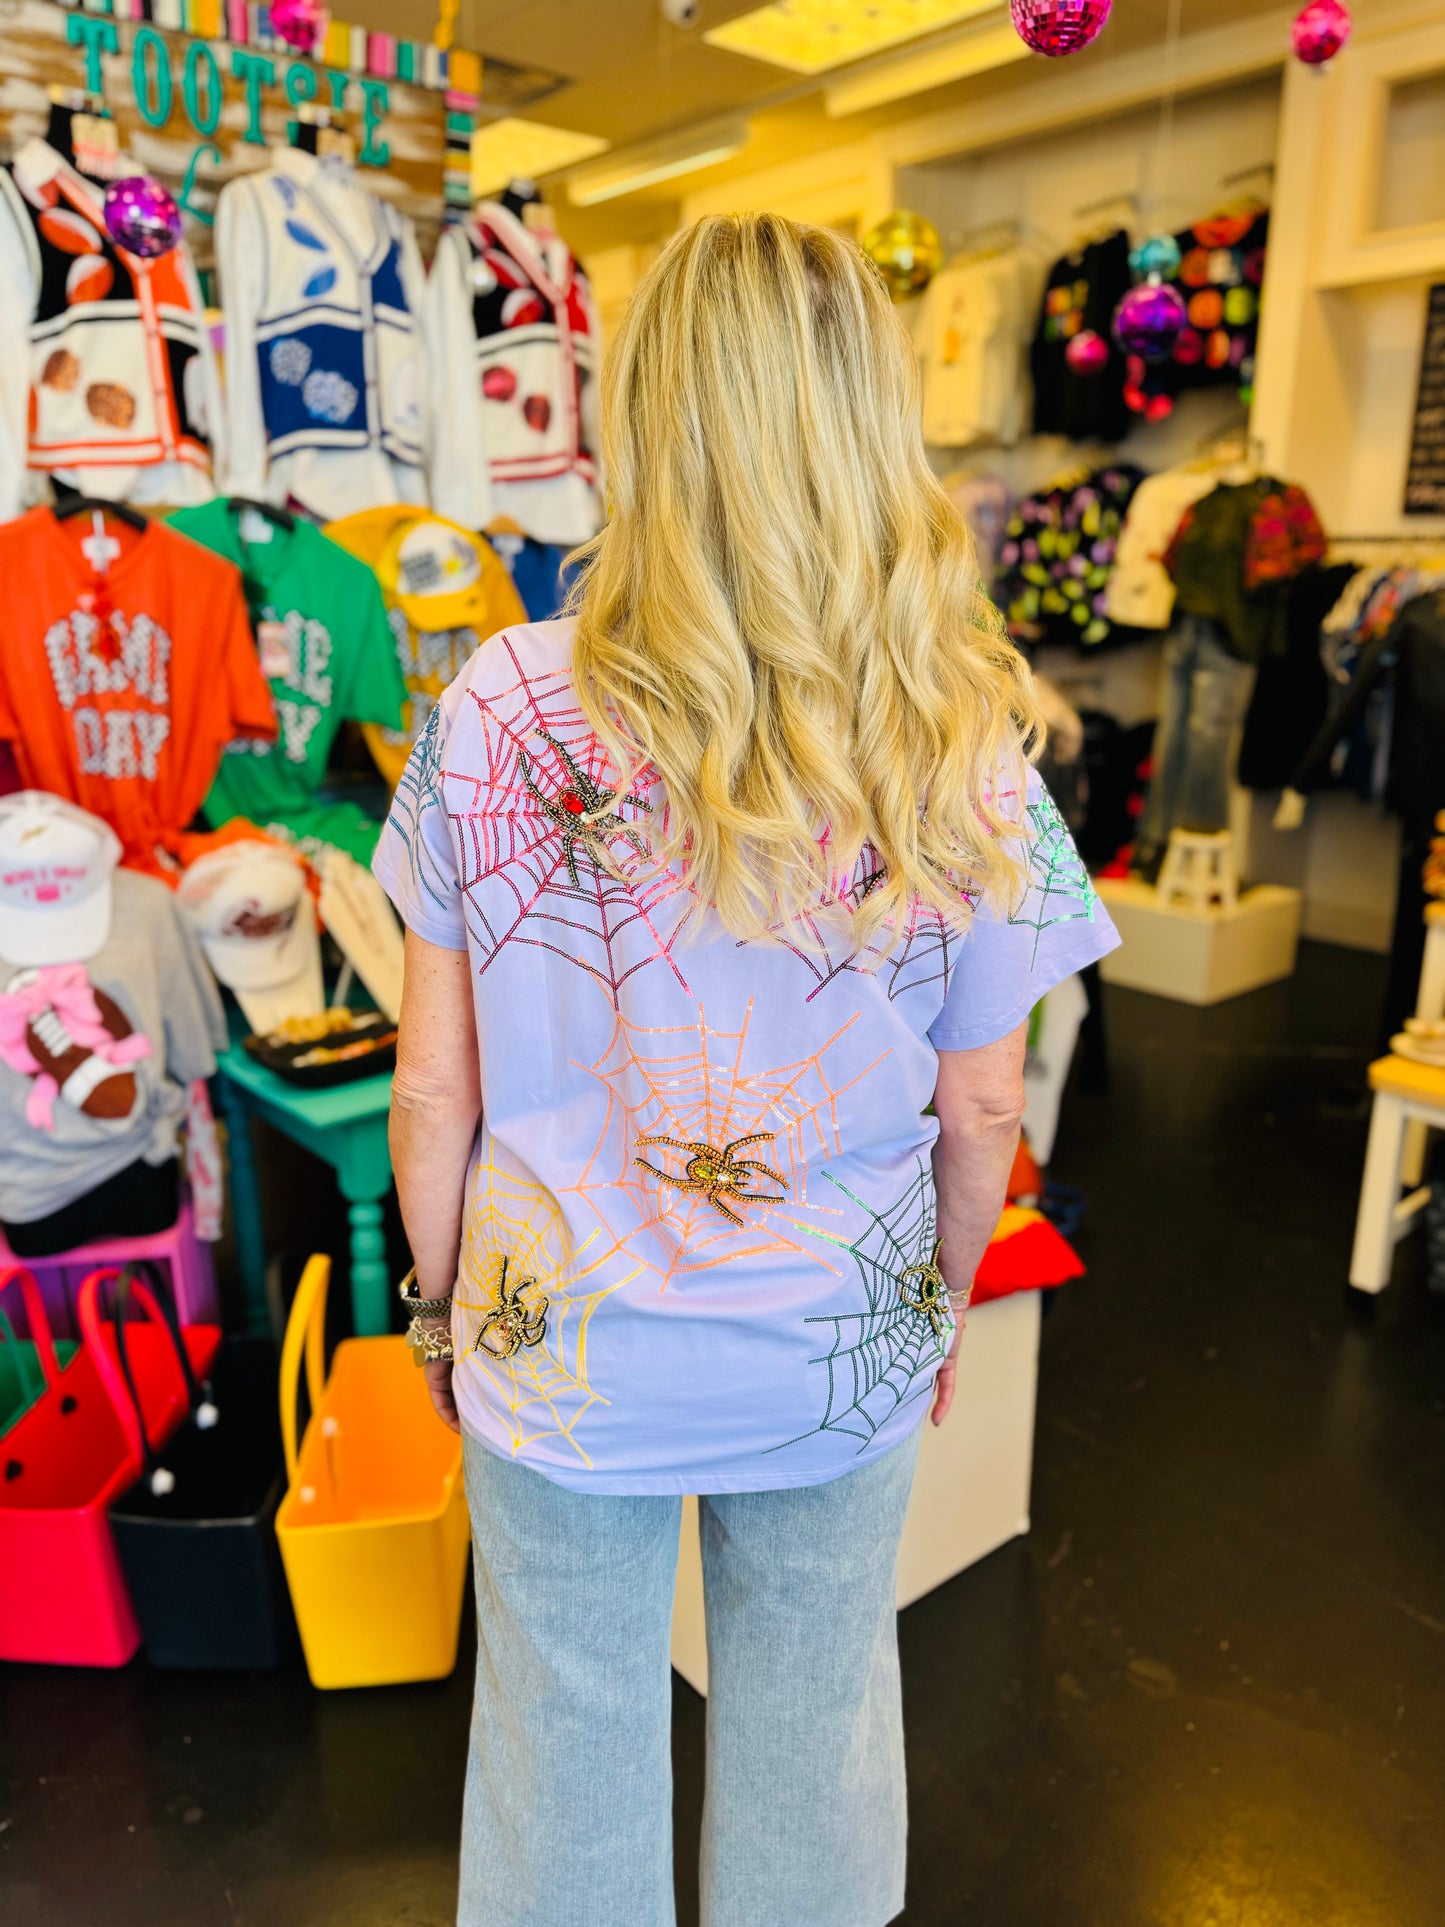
{"x": 1208, "y": 1690}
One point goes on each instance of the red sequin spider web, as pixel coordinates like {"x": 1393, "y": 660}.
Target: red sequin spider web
{"x": 553, "y": 854}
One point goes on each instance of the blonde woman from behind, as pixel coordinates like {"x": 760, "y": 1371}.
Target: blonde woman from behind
{"x": 710, "y": 891}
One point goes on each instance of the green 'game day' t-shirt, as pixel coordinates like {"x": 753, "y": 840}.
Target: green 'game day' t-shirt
{"x": 327, "y": 651}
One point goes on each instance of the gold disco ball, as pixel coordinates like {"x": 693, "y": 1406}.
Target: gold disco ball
{"x": 906, "y": 251}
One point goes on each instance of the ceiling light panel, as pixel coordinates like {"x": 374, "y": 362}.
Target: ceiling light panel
{"x": 965, "y": 54}
{"x": 509, "y": 150}
{"x": 812, "y": 36}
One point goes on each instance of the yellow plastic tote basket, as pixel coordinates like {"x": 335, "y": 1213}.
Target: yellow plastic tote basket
{"x": 373, "y": 1527}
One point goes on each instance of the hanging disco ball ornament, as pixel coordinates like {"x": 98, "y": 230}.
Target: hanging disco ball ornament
{"x": 300, "y": 23}
{"x": 1087, "y": 353}
{"x": 1147, "y": 322}
{"x": 1057, "y": 27}
{"x": 906, "y": 251}
{"x": 142, "y": 217}
{"x": 1159, "y": 255}
{"x": 1320, "y": 30}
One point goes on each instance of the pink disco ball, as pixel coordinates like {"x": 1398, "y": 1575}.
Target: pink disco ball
{"x": 300, "y": 23}
{"x": 1056, "y": 27}
{"x": 1087, "y": 353}
{"x": 1320, "y": 30}
{"x": 1148, "y": 320}
{"x": 142, "y": 217}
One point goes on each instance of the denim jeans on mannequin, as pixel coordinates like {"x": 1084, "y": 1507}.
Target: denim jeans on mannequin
{"x": 1206, "y": 693}
{"x": 568, "y": 1818}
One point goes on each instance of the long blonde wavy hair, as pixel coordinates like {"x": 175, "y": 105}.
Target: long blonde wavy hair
{"x": 783, "y": 617}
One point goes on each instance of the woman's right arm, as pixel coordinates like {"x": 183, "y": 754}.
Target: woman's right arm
{"x": 436, "y": 1103}
{"x": 979, "y": 1100}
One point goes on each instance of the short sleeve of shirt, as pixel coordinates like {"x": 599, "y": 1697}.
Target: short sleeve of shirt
{"x": 1007, "y": 960}
{"x": 376, "y": 692}
{"x": 245, "y": 692}
{"x": 415, "y": 861}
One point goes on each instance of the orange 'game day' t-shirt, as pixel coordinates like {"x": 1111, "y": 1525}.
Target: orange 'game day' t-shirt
{"x": 120, "y": 685}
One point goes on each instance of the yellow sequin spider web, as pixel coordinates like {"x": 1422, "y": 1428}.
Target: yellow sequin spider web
{"x": 720, "y": 1175}
{"x": 520, "y": 1270}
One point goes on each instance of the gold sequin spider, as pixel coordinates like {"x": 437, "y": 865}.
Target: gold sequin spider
{"x": 932, "y": 1299}
{"x": 719, "y": 1174}
{"x": 510, "y": 1324}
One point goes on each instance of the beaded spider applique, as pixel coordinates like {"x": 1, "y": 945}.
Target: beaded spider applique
{"x": 510, "y": 1324}
{"x": 932, "y": 1300}
{"x": 719, "y": 1175}
{"x": 584, "y": 812}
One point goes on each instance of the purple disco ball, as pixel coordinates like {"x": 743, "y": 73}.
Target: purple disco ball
{"x": 1087, "y": 353}
{"x": 300, "y": 23}
{"x": 1056, "y": 27}
{"x": 1320, "y": 30}
{"x": 1148, "y": 320}
{"x": 142, "y": 217}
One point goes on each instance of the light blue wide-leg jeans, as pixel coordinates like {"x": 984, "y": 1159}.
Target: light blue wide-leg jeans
{"x": 568, "y": 1819}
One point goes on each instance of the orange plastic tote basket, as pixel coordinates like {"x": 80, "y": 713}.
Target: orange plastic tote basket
{"x": 373, "y": 1527}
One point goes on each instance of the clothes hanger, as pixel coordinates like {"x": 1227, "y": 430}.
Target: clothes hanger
{"x": 97, "y": 505}
{"x": 1124, "y": 210}
{"x": 283, "y": 518}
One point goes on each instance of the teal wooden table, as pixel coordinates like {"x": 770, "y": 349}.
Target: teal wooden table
{"x": 346, "y": 1126}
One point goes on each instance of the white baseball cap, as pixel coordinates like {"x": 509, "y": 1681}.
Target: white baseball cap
{"x": 56, "y": 863}
{"x": 249, "y": 905}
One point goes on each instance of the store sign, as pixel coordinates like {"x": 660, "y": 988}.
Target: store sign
{"x": 154, "y": 78}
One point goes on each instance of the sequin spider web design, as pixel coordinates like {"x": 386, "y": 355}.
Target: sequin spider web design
{"x": 885, "y": 1356}
{"x": 419, "y": 788}
{"x": 542, "y": 1391}
{"x": 688, "y": 1084}
{"x": 1061, "y": 890}
{"x": 902, "y": 960}
{"x": 590, "y": 894}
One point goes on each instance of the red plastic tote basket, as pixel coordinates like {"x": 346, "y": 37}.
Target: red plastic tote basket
{"x": 63, "y": 1600}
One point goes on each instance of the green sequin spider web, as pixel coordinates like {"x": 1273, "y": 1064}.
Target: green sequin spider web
{"x": 885, "y": 1356}
{"x": 1060, "y": 889}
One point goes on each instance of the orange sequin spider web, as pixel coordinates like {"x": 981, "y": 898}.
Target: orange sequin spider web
{"x": 511, "y": 1324}
{"x": 719, "y": 1174}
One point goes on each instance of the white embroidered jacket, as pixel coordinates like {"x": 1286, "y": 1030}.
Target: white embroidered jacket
{"x": 325, "y": 369}
{"x": 107, "y": 376}
{"x": 513, "y": 341}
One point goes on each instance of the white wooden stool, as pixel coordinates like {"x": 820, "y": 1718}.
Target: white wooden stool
{"x": 1406, "y": 1093}
{"x": 1429, "y": 1005}
{"x": 1199, "y": 867}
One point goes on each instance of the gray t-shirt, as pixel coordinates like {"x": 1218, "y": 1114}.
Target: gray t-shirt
{"x": 96, "y": 1058}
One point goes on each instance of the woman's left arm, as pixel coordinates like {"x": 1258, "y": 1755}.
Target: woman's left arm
{"x": 436, "y": 1103}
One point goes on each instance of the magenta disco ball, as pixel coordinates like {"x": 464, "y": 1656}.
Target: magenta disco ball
{"x": 1087, "y": 353}
{"x": 1056, "y": 27}
{"x": 300, "y": 23}
{"x": 1320, "y": 30}
{"x": 1148, "y": 320}
{"x": 142, "y": 217}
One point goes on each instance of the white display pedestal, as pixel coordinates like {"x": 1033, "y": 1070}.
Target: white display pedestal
{"x": 971, "y": 1494}
{"x": 1199, "y": 956}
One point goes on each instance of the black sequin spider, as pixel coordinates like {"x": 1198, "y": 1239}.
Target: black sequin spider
{"x": 718, "y": 1173}
{"x": 582, "y": 811}
{"x": 932, "y": 1299}
{"x": 510, "y": 1324}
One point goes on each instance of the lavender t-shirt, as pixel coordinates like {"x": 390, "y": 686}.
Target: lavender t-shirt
{"x": 699, "y": 1223}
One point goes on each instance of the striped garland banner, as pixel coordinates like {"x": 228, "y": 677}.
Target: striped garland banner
{"x": 345, "y": 48}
